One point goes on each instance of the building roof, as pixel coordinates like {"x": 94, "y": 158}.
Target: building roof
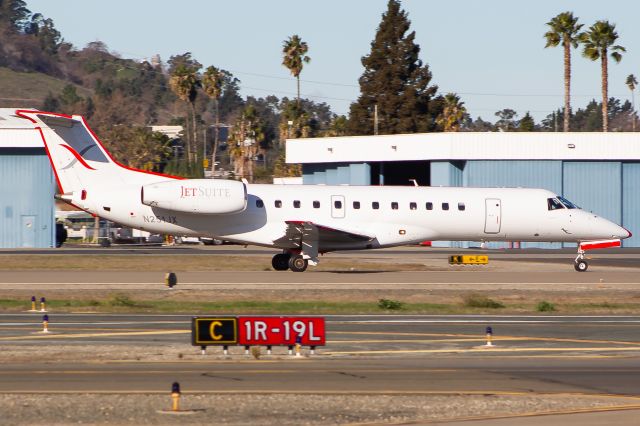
{"x": 467, "y": 146}
{"x": 16, "y": 132}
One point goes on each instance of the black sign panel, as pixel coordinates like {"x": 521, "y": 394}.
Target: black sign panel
{"x": 214, "y": 331}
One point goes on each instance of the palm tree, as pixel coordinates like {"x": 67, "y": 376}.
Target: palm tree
{"x": 453, "y": 113}
{"x": 597, "y": 42}
{"x": 564, "y": 29}
{"x": 631, "y": 84}
{"x": 212, "y": 82}
{"x": 184, "y": 82}
{"x": 294, "y": 52}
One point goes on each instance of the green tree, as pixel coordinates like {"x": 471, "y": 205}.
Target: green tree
{"x": 337, "y": 126}
{"x": 631, "y": 84}
{"x": 184, "y": 82}
{"x": 527, "y": 124}
{"x": 245, "y": 140}
{"x": 69, "y": 96}
{"x": 597, "y": 42}
{"x": 395, "y": 82}
{"x": 507, "y": 120}
{"x": 453, "y": 114}
{"x": 294, "y": 55}
{"x": 564, "y": 29}
{"x": 137, "y": 147}
{"x": 14, "y": 15}
{"x": 212, "y": 82}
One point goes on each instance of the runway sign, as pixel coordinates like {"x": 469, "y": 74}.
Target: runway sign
{"x": 466, "y": 259}
{"x": 281, "y": 331}
{"x": 214, "y": 331}
{"x": 258, "y": 331}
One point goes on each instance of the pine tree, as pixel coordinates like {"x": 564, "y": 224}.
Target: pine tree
{"x": 396, "y": 81}
{"x": 527, "y": 124}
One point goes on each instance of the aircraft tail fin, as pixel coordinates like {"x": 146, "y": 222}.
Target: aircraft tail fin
{"x": 78, "y": 159}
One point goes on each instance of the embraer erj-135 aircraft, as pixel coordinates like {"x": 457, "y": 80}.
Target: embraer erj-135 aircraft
{"x": 303, "y": 220}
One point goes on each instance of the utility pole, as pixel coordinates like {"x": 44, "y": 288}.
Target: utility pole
{"x": 633, "y": 112}
{"x": 205, "y": 160}
{"x": 375, "y": 119}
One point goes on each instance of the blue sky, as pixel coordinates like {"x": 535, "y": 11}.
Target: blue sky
{"x": 491, "y": 53}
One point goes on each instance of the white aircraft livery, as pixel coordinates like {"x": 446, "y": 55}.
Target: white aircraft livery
{"x": 303, "y": 221}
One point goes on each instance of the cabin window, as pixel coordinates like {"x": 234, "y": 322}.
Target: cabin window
{"x": 413, "y": 206}
{"x": 429, "y": 206}
{"x": 554, "y": 204}
{"x": 445, "y": 206}
{"x": 337, "y": 204}
{"x": 316, "y": 204}
{"x": 356, "y": 205}
{"x": 394, "y": 205}
{"x": 461, "y": 207}
{"x": 296, "y": 204}
{"x": 375, "y": 205}
{"x": 259, "y": 204}
{"x": 278, "y": 204}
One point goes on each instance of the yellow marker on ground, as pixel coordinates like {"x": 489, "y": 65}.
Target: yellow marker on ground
{"x": 468, "y": 259}
{"x": 175, "y": 396}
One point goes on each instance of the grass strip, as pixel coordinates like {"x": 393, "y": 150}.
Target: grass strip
{"x": 120, "y": 303}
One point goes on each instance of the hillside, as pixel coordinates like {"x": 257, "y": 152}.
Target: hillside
{"x": 29, "y": 89}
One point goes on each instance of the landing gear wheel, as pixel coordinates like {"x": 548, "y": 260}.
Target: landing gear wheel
{"x": 298, "y": 264}
{"x": 581, "y": 265}
{"x": 280, "y": 262}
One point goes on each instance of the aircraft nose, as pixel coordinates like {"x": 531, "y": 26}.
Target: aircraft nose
{"x": 608, "y": 229}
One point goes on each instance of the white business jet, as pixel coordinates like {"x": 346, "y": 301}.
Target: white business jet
{"x": 304, "y": 221}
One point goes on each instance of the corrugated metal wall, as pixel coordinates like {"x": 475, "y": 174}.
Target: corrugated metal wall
{"x": 27, "y": 212}
{"x": 631, "y": 202}
{"x": 336, "y": 174}
{"x": 595, "y": 186}
{"x": 447, "y": 173}
{"x": 526, "y": 174}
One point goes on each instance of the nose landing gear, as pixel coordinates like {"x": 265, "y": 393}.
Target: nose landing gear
{"x": 580, "y": 264}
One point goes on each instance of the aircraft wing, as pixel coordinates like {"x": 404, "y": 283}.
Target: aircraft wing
{"x": 299, "y": 231}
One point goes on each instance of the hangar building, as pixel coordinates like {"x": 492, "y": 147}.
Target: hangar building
{"x": 598, "y": 171}
{"x": 27, "y": 186}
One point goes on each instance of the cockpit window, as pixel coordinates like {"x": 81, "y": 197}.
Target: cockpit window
{"x": 568, "y": 204}
{"x": 554, "y": 204}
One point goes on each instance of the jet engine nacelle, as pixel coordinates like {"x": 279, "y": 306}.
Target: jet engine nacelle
{"x": 206, "y": 196}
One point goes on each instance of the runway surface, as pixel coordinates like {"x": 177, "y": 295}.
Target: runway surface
{"x": 378, "y": 354}
{"x": 584, "y": 356}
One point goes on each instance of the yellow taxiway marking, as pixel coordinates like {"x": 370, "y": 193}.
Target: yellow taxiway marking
{"x": 325, "y": 392}
{"x": 138, "y": 372}
{"x": 480, "y": 349}
{"x": 84, "y": 335}
{"x": 476, "y": 336}
{"x": 626, "y": 407}
{"x": 62, "y": 327}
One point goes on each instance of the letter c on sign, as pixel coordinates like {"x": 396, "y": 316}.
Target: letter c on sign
{"x": 212, "y": 330}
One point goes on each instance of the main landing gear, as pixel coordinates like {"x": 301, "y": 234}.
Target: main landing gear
{"x": 580, "y": 264}
{"x": 284, "y": 261}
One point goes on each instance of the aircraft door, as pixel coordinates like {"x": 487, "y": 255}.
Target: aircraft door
{"x": 337, "y": 206}
{"x": 492, "y": 216}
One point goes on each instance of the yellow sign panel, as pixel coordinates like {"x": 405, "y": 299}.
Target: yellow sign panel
{"x": 469, "y": 259}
